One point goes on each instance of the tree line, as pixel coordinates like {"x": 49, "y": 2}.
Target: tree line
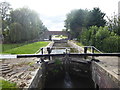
{"x": 91, "y": 29}
{"x": 20, "y": 25}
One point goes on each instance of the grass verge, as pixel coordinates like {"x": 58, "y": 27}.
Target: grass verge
{"x": 6, "y": 47}
{"x": 6, "y": 85}
{"x": 26, "y": 49}
{"x": 79, "y": 44}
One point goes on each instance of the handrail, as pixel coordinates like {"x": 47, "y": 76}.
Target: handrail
{"x": 69, "y": 48}
{"x": 92, "y": 47}
{"x": 96, "y": 49}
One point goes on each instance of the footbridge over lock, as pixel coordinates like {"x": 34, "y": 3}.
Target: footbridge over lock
{"x": 48, "y": 34}
{"x": 75, "y": 66}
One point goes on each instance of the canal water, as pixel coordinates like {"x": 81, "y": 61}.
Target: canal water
{"x": 68, "y": 81}
{"x": 71, "y": 82}
{"x": 60, "y": 48}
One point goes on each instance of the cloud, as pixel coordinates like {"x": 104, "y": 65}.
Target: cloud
{"x": 53, "y": 23}
{"x": 53, "y": 12}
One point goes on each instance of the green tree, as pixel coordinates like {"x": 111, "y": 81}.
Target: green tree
{"x": 88, "y": 36}
{"x": 5, "y": 9}
{"x": 114, "y": 24}
{"x": 76, "y": 21}
{"x": 101, "y": 38}
{"x": 101, "y": 34}
{"x": 15, "y": 33}
{"x": 30, "y": 23}
{"x": 96, "y": 18}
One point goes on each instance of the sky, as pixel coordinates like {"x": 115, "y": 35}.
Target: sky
{"x": 53, "y": 12}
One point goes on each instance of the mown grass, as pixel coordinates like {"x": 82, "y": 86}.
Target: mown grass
{"x": 6, "y": 85}
{"x": 26, "y": 49}
{"x": 5, "y": 47}
{"x": 79, "y": 44}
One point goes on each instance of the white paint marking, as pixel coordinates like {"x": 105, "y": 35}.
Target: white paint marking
{"x": 7, "y": 56}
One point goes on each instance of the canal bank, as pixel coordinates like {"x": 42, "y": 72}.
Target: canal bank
{"x": 68, "y": 71}
{"x": 77, "y": 67}
{"x": 64, "y": 72}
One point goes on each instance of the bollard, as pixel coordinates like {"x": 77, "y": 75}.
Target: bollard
{"x": 49, "y": 51}
{"x": 85, "y": 51}
{"x": 93, "y": 49}
{"x": 42, "y": 51}
{"x": 93, "y": 52}
{"x": 66, "y": 50}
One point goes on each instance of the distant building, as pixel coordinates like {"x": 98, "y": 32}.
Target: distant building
{"x": 119, "y": 8}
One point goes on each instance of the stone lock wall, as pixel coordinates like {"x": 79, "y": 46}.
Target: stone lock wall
{"x": 38, "y": 79}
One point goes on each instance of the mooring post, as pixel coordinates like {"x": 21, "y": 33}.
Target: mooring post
{"x": 66, "y": 50}
{"x": 93, "y": 49}
{"x": 85, "y": 51}
{"x": 42, "y": 51}
{"x": 49, "y": 51}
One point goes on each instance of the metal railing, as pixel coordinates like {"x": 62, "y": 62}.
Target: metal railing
{"x": 90, "y": 49}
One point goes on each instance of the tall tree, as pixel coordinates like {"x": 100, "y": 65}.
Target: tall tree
{"x": 96, "y": 18}
{"x": 5, "y": 9}
{"x": 75, "y": 21}
{"x": 79, "y": 19}
{"x": 15, "y": 33}
{"x": 30, "y": 23}
{"x": 114, "y": 24}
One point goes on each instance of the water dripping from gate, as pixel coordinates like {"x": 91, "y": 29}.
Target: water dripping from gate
{"x": 67, "y": 81}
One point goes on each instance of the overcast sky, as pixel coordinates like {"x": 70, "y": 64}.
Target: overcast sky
{"x": 53, "y": 12}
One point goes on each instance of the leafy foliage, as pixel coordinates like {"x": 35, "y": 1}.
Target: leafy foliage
{"x": 78, "y": 20}
{"x": 4, "y": 10}
{"x": 111, "y": 44}
{"x": 114, "y": 24}
{"x": 21, "y": 24}
{"x": 101, "y": 38}
{"x": 57, "y": 61}
{"x": 96, "y": 18}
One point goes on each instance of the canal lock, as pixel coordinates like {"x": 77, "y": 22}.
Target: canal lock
{"x": 67, "y": 73}
{"x": 64, "y": 72}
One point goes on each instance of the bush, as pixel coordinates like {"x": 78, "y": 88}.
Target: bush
{"x": 101, "y": 38}
{"x": 111, "y": 44}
